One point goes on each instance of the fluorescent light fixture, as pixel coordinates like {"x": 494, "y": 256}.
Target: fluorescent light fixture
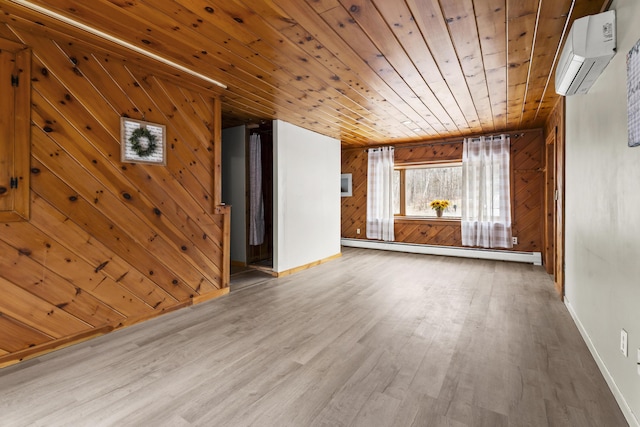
{"x": 113, "y": 39}
{"x": 406, "y": 122}
{"x": 417, "y": 130}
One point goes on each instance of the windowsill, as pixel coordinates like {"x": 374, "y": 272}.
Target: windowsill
{"x": 453, "y": 220}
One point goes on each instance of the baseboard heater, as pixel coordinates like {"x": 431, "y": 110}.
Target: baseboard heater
{"x": 534, "y": 258}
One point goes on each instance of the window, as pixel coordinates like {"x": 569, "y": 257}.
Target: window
{"x": 415, "y": 187}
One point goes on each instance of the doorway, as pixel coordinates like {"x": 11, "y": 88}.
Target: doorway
{"x": 259, "y": 247}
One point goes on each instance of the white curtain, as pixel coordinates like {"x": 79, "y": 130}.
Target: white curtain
{"x": 256, "y": 205}
{"x": 486, "y": 194}
{"x": 380, "y": 194}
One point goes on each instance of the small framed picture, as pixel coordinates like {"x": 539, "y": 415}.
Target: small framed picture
{"x": 345, "y": 185}
{"x": 142, "y": 142}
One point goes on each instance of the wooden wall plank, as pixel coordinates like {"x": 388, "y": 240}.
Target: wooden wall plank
{"x": 31, "y": 242}
{"x": 56, "y": 192}
{"x": 91, "y": 130}
{"x": 15, "y": 336}
{"x": 37, "y": 313}
{"x": 58, "y": 227}
{"x": 51, "y": 287}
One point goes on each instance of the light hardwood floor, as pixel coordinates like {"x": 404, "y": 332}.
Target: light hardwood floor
{"x": 370, "y": 339}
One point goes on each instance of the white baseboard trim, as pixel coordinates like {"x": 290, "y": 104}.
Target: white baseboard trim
{"x": 491, "y": 254}
{"x": 624, "y": 406}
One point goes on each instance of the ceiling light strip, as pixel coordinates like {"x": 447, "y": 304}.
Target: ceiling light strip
{"x": 113, "y": 39}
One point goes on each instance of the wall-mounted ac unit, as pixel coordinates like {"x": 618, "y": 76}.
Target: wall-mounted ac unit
{"x": 590, "y": 45}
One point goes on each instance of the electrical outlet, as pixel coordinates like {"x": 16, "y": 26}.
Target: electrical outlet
{"x": 623, "y": 342}
{"x": 357, "y": 231}
{"x": 514, "y": 240}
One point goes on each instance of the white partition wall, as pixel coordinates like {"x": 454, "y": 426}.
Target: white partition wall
{"x": 306, "y": 196}
{"x": 603, "y": 219}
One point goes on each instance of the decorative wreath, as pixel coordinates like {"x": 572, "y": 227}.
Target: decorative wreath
{"x": 134, "y": 139}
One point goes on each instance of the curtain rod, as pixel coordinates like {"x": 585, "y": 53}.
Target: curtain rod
{"x": 445, "y": 142}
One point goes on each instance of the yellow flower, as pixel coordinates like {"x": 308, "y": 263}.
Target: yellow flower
{"x": 439, "y": 205}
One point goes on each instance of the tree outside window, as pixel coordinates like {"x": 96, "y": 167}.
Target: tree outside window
{"x": 415, "y": 187}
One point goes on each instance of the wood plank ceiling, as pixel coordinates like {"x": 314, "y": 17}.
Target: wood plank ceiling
{"x": 364, "y": 71}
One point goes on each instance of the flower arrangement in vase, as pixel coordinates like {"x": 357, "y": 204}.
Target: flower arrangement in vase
{"x": 439, "y": 206}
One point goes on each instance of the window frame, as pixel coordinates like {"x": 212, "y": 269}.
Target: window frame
{"x": 402, "y": 167}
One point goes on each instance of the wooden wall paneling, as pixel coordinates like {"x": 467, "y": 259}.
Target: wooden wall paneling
{"x": 412, "y": 153}
{"x": 117, "y": 204}
{"x": 49, "y": 286}
{"x": 110, "y": 244}
{"x": 28, "y": 241}
{"x": 204, "y": 175}
{"x": 49, "y": 220}
{"x": 91, "y": 219}
{"x": 527, "y": 151}
{"x": 122, "y": 102}
{"x": 440, "y": 233}
{"x": 15, "y": 336}
{"x": 354, "y": 208}
{"x": 168, "y": 205}
{"x": 192, "y": 142}
{"x": 200, "y": 110}
{"x": 225, "y": 213}
{"x": 528, "y": 210}
{"x": 527, "y": 159}
{"x": 37, "y": 313}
